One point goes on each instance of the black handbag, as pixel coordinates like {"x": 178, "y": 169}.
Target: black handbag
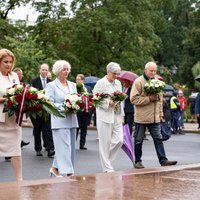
{"x": 166, "y": 131}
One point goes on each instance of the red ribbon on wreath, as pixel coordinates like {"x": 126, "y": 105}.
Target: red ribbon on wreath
{"x": 21, "y": 107}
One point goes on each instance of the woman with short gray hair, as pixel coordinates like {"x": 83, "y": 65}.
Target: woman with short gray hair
{"x": 109, "y": 122}
{"x": 64, "y": 129}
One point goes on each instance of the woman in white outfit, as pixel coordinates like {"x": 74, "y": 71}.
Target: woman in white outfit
{"x": 10, "y": 132}
{"x": 109, "y": 121}
{"x": 64, "y": 129}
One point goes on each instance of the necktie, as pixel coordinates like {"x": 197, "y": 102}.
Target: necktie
{"x": 44, "y": 83}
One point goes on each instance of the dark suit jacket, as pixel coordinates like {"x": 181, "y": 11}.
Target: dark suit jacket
{"x": 128, "y": 106}
{"x": 37, "y": 83}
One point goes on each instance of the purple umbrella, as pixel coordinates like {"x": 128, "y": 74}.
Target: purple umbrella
{"x": 128, "y": 144}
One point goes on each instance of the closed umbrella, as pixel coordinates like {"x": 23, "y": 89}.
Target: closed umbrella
{"x": 91, "y": 80}
{"x": 127, "y": 143}
{"x": 127, "y": 75}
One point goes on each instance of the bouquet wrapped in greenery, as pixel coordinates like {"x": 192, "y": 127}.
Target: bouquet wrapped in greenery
{"x": 81, "y": 89}
{"x": 98, "y": 99}
{"x": 73, "y": 103}
{"x": 154, "y": 86}
{"x": 24, "y": 99}
{"x": 118, "y": 96}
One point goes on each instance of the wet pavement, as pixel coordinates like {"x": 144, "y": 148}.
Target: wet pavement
{"x": 154, "y": 182}
{"x": 171, "y": 183}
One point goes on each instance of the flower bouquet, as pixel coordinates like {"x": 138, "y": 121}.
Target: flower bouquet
{"x": 81, "y": 89}
{"x": 26, "y": 99}
{"x": 118, "y": 96}
{"x": 98, "y": 98}
{"x": 73, "y": 103}
{"x": 154, "y": 86}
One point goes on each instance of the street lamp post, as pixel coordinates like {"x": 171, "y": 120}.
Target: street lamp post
{"x": 162, "y": 69}
{"x": 174, "y": 69}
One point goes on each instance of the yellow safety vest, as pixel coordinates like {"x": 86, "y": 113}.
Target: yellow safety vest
{"x": 172, "y": 104}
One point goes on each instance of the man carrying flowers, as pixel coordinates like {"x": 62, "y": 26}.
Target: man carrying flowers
{"x": 147, "y": 99}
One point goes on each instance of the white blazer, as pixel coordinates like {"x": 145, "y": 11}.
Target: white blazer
{"x": 56, "y": 93}
{"x": 4, "y": 84}
{"x": 104, "y": 111}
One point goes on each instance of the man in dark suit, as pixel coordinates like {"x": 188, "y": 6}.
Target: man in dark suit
{"x": 128, "y": 106}
{"x": 39, "y": 124}
{"x": 83, "y": 117}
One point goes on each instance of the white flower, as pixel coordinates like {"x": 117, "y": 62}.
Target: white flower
{"x": 42, "y": 96}
{"x": 11, "y": 91}
{"x": 32, "y": 89}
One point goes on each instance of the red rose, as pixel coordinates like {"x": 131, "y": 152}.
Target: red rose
{"x": 10, "y": 103}
{"x": 67, "y": 100}
{"x": 18, "y": 97}
{"x": 38, "y": 107}
{"x": 34, "y": 96}
{"x": 28, "y": 95}
{"x": 31, "y": 108}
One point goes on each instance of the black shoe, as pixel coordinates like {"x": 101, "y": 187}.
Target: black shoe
{"x": 7, "y": 158}
{"x": 50, "y": 153}
{"x": 168, "y": 163}
{"x": 138, "y": 165}
{"x": 38, "y": 153}
{"x": 83, "y": 148}
{"x": 24, "y": 143}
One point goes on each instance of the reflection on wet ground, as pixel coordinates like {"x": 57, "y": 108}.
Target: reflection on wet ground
{"x": 165, "y": 183}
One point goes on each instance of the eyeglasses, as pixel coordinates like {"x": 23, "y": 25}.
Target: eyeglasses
{"x": 116, "y": 74}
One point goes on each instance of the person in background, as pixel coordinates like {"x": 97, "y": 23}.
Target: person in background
{"x": 183, "y": 105}
{"x": 109, "y": 120}
{"x": 192, "y": 102}
{"x": 10, "y": 132}
{"x": 49, "y": 75}
{"x": 64, "y": 129}
{"x": 147, "y": 114}
{"x": 84, "y": 116}
{"x": 197, "y": 109}
{"x": 39, "y": 124}
{"x": 128, "y": 106}
{"x": 175, "y": 108}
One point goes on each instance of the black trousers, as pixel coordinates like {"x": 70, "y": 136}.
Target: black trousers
{"x": 129, "y": 119}
{"x": 42, "y": 128}
{"x": 83, "y": 121}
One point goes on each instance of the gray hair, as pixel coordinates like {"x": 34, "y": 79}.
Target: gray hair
{"x": 113, "y": 67}
{"x": 150, "y": 64}
{"x": 59, "y": 65}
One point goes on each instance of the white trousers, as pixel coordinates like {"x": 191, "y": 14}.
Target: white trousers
{"x": 110, "y": 142}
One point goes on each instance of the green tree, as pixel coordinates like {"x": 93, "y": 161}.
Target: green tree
{"x": 28, "y": 56}
{"x": 109, "y": 30}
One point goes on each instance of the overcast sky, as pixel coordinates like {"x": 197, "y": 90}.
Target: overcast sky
{"x": 21, "y": 12}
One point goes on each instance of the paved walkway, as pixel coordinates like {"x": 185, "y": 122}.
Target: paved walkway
{"x": 171, "y": 183}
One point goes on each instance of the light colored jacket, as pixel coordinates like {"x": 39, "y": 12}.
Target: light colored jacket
{"x": 56, "y": 93}
{"x": 104, "y": 111}
{"x": 146, "y": 112}
{"x": 13, "y": 79}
